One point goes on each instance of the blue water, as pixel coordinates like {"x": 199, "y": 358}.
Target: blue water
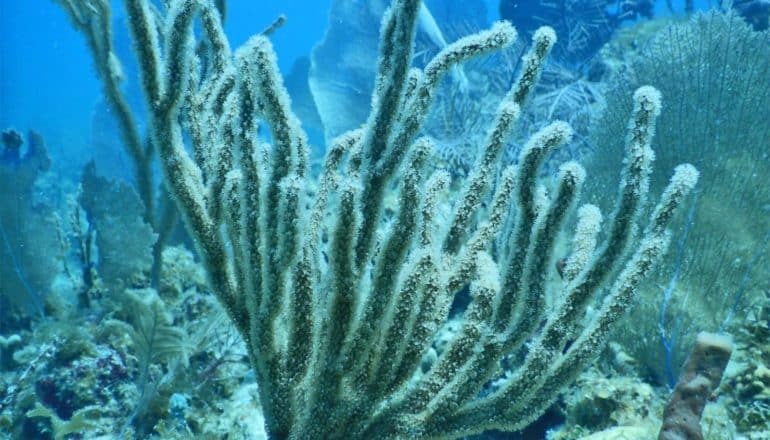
{"x": 46, "y": 65}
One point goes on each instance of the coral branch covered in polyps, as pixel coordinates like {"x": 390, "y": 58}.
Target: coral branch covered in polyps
{"x": 337, "y": 298}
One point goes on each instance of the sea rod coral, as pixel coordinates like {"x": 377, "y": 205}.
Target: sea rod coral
{"x": 337, "y": 298}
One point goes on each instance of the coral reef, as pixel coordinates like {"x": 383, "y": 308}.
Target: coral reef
{"x": 381, "y": 293}
{"x": 599, "y": 403}
{"x": 715, "y": 70}
{"x": 123, "y": 373}
{"x": 747, "y": 381}
{"x": 342, "y": 75}
{"x": 610, "y": 407}
{"x": 584, "y": 25}
{"x": 29, "y": 250}
{"x": 124, "y": 241}
{"x": 323, "y": 322}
